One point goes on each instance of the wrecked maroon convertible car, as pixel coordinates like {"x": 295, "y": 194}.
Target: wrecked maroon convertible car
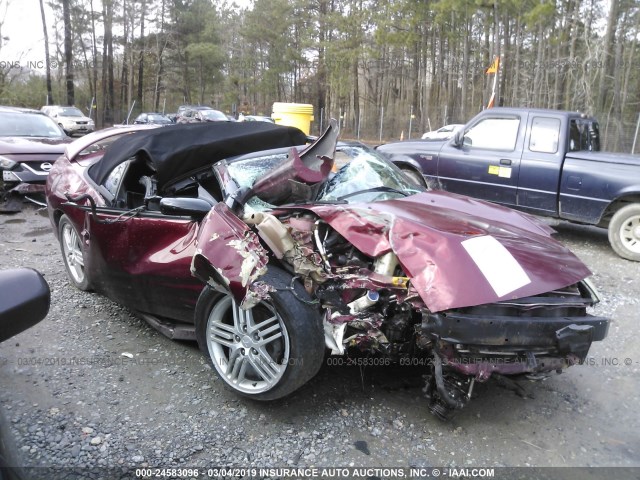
{"x": 243, "y": 238}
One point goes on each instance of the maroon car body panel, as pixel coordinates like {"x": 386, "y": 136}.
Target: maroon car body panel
{"x": 227, "y": 242}
{"x": 143, "y": 262}
{"x": 427, "y": 230}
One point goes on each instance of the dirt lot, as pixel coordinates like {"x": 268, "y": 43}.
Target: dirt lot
{"x": 94, "y": 386}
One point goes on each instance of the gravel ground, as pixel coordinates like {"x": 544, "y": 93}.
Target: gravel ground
{"x": 94, "y": 386}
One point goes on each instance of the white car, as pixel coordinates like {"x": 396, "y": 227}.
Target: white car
{"x": 443, "y": 132}
{"x": 70, "y": 119}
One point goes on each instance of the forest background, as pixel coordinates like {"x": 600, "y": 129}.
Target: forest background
{"x": 386, "y": 69}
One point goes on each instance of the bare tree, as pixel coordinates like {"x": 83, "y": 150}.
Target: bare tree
{"x": 47, "y": 60}
{"x": 68, "y": 51}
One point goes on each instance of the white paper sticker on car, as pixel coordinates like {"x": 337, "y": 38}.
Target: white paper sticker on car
{"x": 504, "y": 172}
{"x": 502, "y": 271}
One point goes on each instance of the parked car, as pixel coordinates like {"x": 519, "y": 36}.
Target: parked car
{"x": 545, "y": 162}
{"x": 255, "y": 249}
{"x": 183, "y": 108}
{"x": 153, "y": 118}
{"x": 202, "y": 115}
{"x": 255, "y": 118}
{"x": 443, "y": 132}
{"x": 70, "y": 119}
{"x": 30, "y": 142}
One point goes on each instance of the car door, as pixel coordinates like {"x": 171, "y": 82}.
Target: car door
{"x": 141, "y": 257}
{"x": 541, "y": 168}
{"x": 487, "y": 163}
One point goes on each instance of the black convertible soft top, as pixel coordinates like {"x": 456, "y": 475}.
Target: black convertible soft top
{"x": 177, "y": 150}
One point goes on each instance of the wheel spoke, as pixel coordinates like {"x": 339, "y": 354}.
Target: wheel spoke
{"x": 227, "y": 331}
{"x": 77, "y": 258}
{"x": 262, "y": 366}
{"x": 266, "y": 358}
{"x": 264, "y": 323}
{"x": 272, "y": 328}
{"x": 238, "y": 366}
{"x": 214, "y": 337}
{"x": 234, "y": 357}
{"x": 243, "y": 370}
{"x": 266, "y": 341}
{"x": 241, "y": 318}
{"x": 73, "y": 239}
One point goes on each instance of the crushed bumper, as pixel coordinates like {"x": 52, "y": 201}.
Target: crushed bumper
{"x": 494, "y": 331}
{"x": 481, "y": 346}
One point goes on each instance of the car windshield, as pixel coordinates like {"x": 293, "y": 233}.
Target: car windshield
{"x": 246, "y": 172}
{"x": 366, "y": 178}
{"x": 158, "y": 118}
{"x": 70, "y": 112}
{"x": 363, "y": 177}
{"x": 214, "y": 115}
{"x": 28, "y": 125}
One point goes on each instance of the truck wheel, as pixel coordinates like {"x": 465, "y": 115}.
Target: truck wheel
{"x": 267, "y": 351}
{"x": 624, "y": 232}
{"x": 414, "y": 177}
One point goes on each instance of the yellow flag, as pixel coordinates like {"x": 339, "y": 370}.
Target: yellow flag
{"x": 494, "y": 66}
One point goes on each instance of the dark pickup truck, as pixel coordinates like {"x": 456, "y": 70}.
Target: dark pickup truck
{"x": 546, "y": 162}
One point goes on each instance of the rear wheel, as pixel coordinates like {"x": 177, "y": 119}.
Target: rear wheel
{"x": 624, "y": 232}
{"x": 73, "y": 254}
{"x": 265, "y": 352}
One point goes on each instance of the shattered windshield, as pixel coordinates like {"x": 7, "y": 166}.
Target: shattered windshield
{"x": 367, "y": 178}
{"x": 363, "y": 177}
{"x": 246, "y": 172}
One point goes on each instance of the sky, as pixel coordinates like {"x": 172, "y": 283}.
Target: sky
{"x": 23, "y": 25}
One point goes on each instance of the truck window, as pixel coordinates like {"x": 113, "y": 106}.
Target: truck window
{"x": 494, "y": 133}
{"x": 584, "y": 134}
{"x": 545, "y": 134}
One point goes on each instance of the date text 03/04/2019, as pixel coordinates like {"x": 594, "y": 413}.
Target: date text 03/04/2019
{"x": 313, "y": 472}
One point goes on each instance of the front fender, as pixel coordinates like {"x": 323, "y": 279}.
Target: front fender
{"x": 229, "y": 256}
{"x": 405, "y": 160}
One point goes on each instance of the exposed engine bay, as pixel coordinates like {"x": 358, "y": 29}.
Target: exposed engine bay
{"x": 398, "y": 274}
{"x": 370, "y": 308}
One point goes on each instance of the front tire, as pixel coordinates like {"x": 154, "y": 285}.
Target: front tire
{"x": 624, "y": 232}
{"x": 73, "y": 254}
{"x": 268, "y": 351}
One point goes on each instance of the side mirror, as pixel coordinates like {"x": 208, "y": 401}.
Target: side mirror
{"x": 458, "y": 138}
{"x": 24, "y": 300}
{"x": 185, "y": 207}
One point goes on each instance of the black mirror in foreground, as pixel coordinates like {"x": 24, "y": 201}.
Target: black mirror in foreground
{"x": 24, "y": 300}
{"x": 189, "y": 207}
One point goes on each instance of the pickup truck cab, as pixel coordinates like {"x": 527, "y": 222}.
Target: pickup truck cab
{"x": 546, "y": 162}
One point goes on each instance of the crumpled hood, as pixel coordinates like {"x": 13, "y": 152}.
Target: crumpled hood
{"x": 459, "y": 251}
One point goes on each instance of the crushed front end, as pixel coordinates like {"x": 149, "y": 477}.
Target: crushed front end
{"x": 467, "y": 289}
{"x": 530, "y": 336}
